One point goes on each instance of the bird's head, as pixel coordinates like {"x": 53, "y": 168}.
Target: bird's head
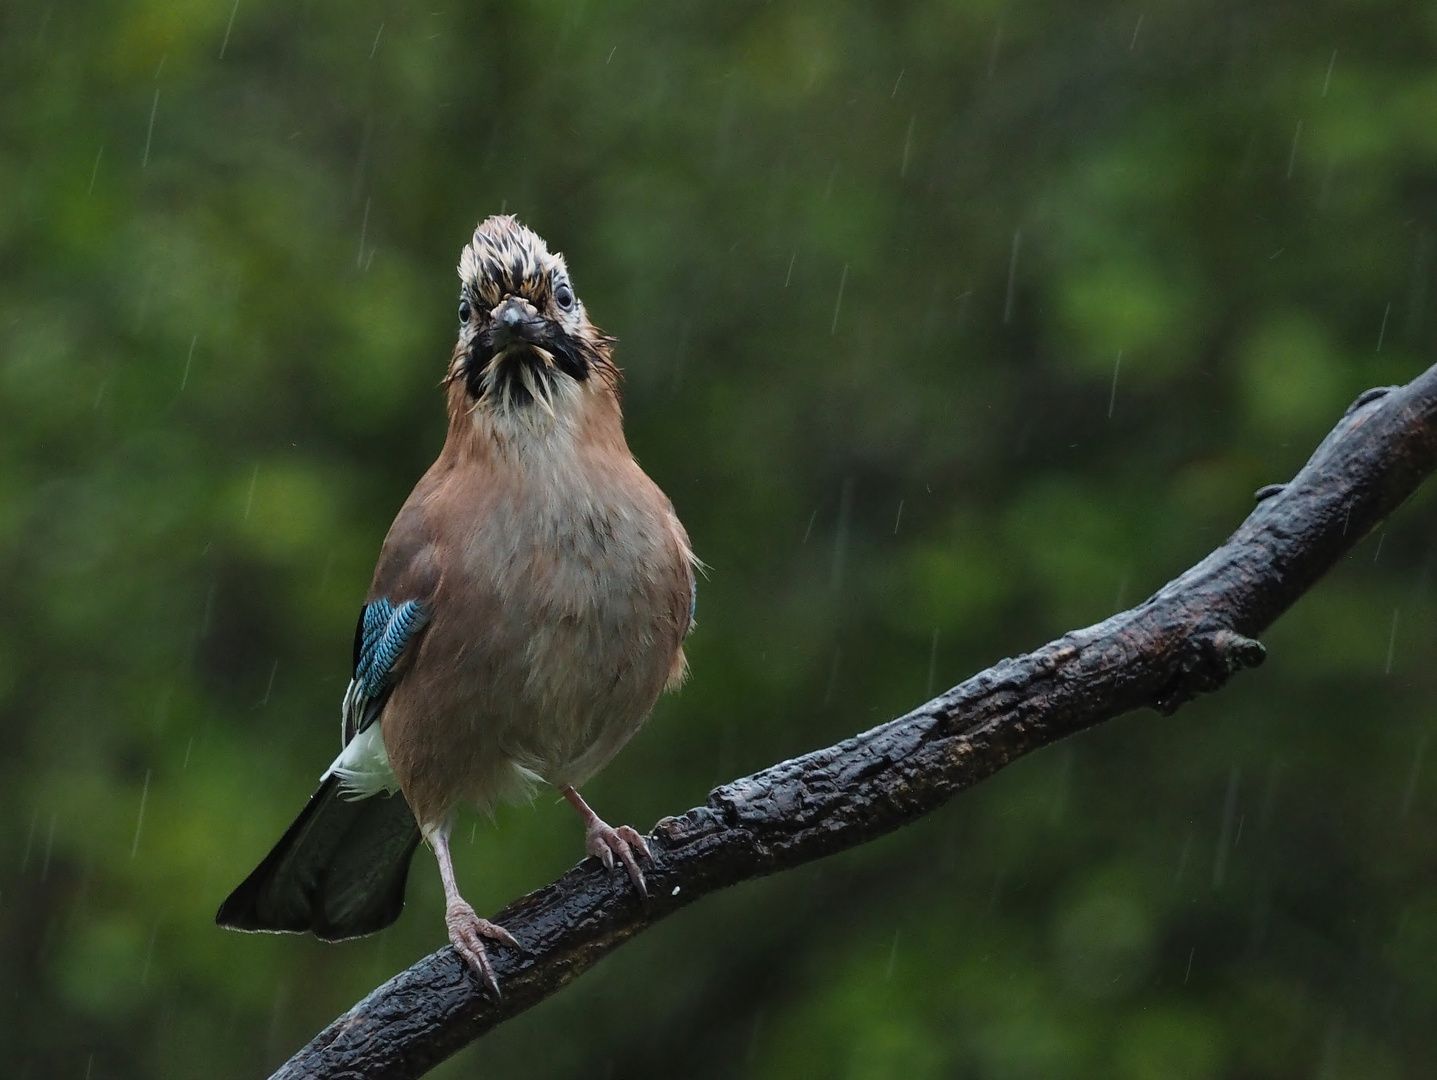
{"x": 526, "y": 350}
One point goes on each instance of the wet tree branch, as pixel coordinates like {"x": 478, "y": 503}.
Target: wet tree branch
{"x": 1190, "y": 637}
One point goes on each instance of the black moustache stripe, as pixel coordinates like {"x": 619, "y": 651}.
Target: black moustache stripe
{"x": 575, "y": 357}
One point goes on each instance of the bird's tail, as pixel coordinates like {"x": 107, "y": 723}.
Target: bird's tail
{"x": 338, "y": 872}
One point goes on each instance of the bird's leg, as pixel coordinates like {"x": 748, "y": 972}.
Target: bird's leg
{"x": 605, "y": 841}
{"x": 467, "y": 930}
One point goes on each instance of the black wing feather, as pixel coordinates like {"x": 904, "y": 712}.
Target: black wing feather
{"x": 340, "y": 870}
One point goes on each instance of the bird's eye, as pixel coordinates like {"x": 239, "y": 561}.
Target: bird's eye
{"x": 465, "y": 311}
{"x": 564, "y": 296}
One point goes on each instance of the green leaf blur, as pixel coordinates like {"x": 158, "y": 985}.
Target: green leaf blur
{"x": 948, "y": 326}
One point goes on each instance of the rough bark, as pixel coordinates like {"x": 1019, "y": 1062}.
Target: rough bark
{"x": 1190, "y": 637}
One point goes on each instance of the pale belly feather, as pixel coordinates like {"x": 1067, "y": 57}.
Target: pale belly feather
{"x": 572, "y": 626}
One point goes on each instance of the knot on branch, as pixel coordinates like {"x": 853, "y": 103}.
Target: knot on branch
{"x": 1206, "y": 662}
{"x": 1371, "y": 394}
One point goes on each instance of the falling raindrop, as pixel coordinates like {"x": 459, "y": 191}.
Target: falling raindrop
{"x": 1134, "y": 43}
{"x": 185, "y": 378}
{"x": 892, "y": 956}
{"x": 1382, "y": 330}
{"x": 898, "y": 518}
{"x": 1292, "y": 154}
{"x": 1327, "y": 79}
{"x": 95, "y": 171}
{"x": 269, "y": 686}
{"x": 225, "y": 44}
{"x": 140, "y": 817}
{"x": 1113, "y": 391}
{"x": 150, "y": 132}
{"x": 1391, "y": 643}
{"x": 49, "y": 847}
{"x": 838, "y": 304}
{"x": 1183, "y": 858}
{"x": 375, "y": 47}
{"x": 249, "y": 499}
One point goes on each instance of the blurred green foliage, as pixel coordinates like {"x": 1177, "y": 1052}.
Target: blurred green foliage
{"x": 949, "y": 326}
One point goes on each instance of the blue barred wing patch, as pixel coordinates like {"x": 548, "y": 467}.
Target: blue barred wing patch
{"x": 383, "y": 633}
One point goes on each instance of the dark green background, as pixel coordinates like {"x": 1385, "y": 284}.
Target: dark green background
{"x": 227, "y": 239}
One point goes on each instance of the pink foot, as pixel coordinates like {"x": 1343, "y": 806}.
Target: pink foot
{"x": 605, "y": 841}
{"x": 467, "y": 932}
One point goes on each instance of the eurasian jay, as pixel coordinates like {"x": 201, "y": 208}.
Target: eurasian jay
{"x": 529, "y": 606}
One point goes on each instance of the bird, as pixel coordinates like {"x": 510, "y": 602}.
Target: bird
{"x": 528, "y": 607}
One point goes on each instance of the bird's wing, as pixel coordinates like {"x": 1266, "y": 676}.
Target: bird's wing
{"x": 383, "y": 634}
{"x": 382, "y": 643}
{"x": 340, "y": 869}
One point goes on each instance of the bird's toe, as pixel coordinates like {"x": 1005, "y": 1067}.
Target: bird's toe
{"x": 606, "y": 842}
{"x": 635, "y": 840}
{"x": 467, "y": 932}
{"x": 599, "y": 845}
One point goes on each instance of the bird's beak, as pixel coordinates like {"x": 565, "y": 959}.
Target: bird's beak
{"x": 515, "y": 321}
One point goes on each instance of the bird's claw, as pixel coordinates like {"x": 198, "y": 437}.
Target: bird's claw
{"x": 604, "y": 842}
{"x": 467, "y": 932}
